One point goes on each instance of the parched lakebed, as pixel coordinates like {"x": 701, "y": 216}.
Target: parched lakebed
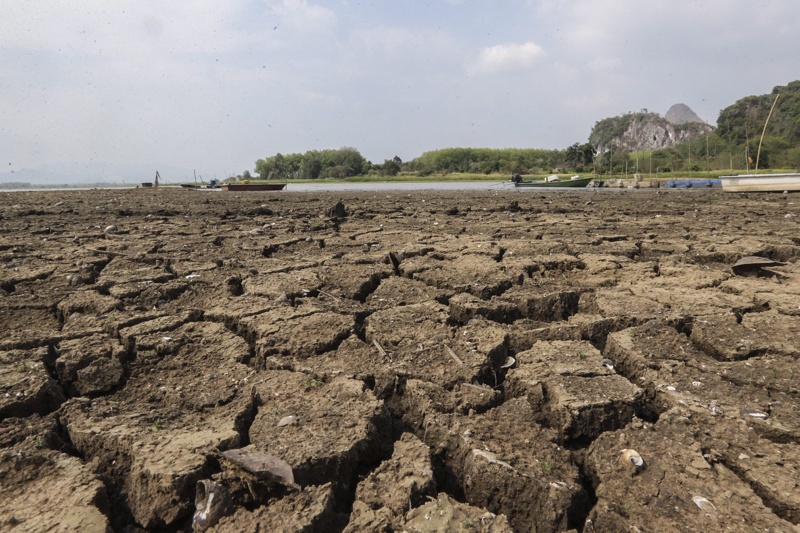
{"x": 399, "y": 361}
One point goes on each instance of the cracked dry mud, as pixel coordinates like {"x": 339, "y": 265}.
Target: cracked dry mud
{"x": 473, "y": 361}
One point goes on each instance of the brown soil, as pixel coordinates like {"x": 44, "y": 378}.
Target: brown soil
{"x": 423, "y": 362}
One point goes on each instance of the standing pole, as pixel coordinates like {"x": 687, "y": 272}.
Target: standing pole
{"x": 758, "y": 154}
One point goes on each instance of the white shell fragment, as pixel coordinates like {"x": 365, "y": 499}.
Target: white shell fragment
{"x": 510, "y": 361}
{"x": 754, "y": 413}
{"x": 703, "y": 504}
{"x": 290, "y": 420}
{"x": 630, "y": 456}
{"x": 110, "y": 229}
{"x": 212, "y": 502}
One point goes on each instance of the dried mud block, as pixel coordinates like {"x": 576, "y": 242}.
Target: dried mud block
{"x": 516, "y": 303}
{"x": 772, "y": 372}
{"x": 572, "y": 390}
{"x": 771, "y": 469}
{"x": 29, "y": 434}
{"x": 354, "y": 281}
{"x": 522, "y": 335}
{"x": 149, "y": 437}
{"x": 687, "y": 276}
{"x": 50, "y": 491}
{"x": 230, "y": 310}
{"x": 396, "y": 291}
{"x": 464, "y": 307}
{"x": 676, "y": 488}
{"x": 335, "y": 426}
{"x": 544, "y": 306}
{"x": 398, "y": 485}
{"x": 655, "y": 340}
{"x": 446, "y": 515}
{"x": 698, "y": 382}
{"x": 302, "y": 331}
{"x": 121, "y": 275}
{"x": 725, "y": 339}
{"x": 420, "y": 344}
{"x": 154, "y": 460}
{"x": 781, "y": 294}
{"x": 618, "y": 303}
{"x": 352, "y": 359}
{"x": 89, "y": 365}
{"x": 88, "y": 302}
{"x": 23, "y": 273}
{"x": 27, "y": 325}
{"x": 277, "y": 285}
{"x": 25, "y": 385}
{"x": 426, "y": 407}
{"x": 681, "y": 300}
{"x": 549, "y": 265}
{"x": 602, "y": 270}
{"x": 478, "y": 275}
{"x": 309, "y": 510}
{"x": 508, "y": 464}
{"x": 128, "y": 335}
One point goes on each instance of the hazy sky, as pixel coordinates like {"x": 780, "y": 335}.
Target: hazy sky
{"x": 216, "y": 84}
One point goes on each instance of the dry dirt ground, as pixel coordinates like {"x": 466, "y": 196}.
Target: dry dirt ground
{"x": 475, "y": 361}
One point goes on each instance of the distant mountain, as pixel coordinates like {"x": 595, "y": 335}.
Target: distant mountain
{"x": 90, "y": 173}
{"x": 682, "y": 114}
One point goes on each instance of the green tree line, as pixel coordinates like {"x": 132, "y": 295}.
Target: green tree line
{"x": 732, "y": 145}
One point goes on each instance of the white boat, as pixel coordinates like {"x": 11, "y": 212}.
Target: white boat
{"x": 761, "y": 182}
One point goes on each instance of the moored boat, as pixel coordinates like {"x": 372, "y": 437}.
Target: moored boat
{"x": 253, "y": 186}
{"x": 574, "y": 182}
{"x": 761, "y": 182}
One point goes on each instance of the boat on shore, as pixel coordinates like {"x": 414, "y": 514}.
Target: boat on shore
{"x": 253, "y": 186}
{"x": 761, "y": 182}
{"x": 572, "y": 182}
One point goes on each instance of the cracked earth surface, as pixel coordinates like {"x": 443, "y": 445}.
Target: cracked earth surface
{"x": 463, "y": 361}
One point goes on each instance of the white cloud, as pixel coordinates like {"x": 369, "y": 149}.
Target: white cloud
{"x": 300, "y": 15}
{"x": 604, "y": 63}
{"x": 506, "y": 58}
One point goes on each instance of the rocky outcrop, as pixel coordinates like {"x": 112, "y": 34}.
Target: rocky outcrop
{"x": 643, "y": 131}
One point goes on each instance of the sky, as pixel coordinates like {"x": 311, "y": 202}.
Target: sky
{"x": 213, "y": 85}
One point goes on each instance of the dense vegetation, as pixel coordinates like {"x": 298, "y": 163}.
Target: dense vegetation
{"x": 733, "y": 145}
{"x": 485, "y": 160}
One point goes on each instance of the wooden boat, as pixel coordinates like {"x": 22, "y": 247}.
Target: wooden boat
{"x": 253, "y": 186}
{"x": 190, "y": 186}
{"x": 761, "y": 182}
{"x": 574, "y": 182}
